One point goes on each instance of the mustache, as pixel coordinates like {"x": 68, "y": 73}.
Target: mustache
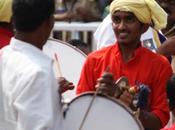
{"x": 123, "y": 31}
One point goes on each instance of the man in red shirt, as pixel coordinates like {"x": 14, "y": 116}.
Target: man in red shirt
{"x": 6, "y": 31}
{"x": 128, "y": 58}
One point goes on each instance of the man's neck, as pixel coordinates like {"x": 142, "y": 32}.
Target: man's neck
{"x": 127, "y": 52}
{"x": 29, "y": 37}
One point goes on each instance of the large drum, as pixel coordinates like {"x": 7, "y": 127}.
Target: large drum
{"x": 104, "y": 114}
{"x": 70, "y": 60}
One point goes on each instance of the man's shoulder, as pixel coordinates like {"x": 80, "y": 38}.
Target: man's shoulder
{"x": 155, "y": 57}
{"x": 24, "y": 63}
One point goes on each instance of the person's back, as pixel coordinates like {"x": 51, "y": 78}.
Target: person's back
{"x": 29, "y": 97}
{"x": 24, "y": 84}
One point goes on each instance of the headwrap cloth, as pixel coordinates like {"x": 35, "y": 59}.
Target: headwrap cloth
{"x": 5, "y": 10}
{"x": 147, "y": 11}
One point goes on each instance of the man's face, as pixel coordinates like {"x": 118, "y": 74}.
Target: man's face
{"x": 169, "y": 7}
{"x": 127, "y": 27}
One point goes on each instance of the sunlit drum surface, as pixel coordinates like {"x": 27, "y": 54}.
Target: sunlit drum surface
{"x": 104, "y": 114}
{"x": 70, "y": 60}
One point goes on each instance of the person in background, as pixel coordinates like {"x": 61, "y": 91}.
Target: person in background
{"x": 6, "y": 29}
{"x": 169, "y": 7}
{"x": 127, "y": 57}
{"x": 81, "y": 10}
{"x": 29, "y": 91}
{"x": 104, "y": 5}
{"x": 168, "y": 47}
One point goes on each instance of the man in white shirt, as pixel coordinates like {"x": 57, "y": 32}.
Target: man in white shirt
{"x": 29, "y": 98}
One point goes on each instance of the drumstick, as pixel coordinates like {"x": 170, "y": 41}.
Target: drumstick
{"x": 90, "y": 105}
{"x": 58, "y": 74}
{"x": 87, "y": 111}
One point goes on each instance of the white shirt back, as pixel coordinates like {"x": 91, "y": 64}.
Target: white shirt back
{"x": 29, "y": 99}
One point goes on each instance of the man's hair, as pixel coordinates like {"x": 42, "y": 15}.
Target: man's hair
{"x": 28, "y": 15}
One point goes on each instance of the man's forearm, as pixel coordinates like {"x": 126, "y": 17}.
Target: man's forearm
{"x": 149, "y": 120}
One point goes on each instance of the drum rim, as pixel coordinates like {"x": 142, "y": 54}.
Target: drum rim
{"x": 111, "y": 99}
{"x": 71, "y": 46}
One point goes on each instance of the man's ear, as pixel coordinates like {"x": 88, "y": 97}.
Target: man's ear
{"x": 50, "y": 22}
{"x": 145, "y": 28}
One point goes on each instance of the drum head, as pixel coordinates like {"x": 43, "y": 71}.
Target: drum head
{"x": 70, "y": 59}
{"x": 105, "y": 114}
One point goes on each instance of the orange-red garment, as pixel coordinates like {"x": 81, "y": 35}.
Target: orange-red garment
{"x": 170, "y": 128}
{"x": 145, "y": 67}
{"x": 5, "y": 36}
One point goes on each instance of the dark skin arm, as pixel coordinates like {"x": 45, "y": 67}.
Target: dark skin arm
{"x": 168, "y": 47}
{"x": 149, "y": 120}
{"x": 64, "y": 85}
{"x": 86, "y": 14}
{"x": 106, "y": 83}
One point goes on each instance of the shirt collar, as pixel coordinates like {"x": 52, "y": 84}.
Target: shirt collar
{"x": 137, "y": 52}
{"x": 27, "y": 48}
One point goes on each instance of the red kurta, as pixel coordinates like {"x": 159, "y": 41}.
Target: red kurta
{"x": 171, "y": 128}
{"x": 5, "y": 36}
{"x": 145, "y": 67}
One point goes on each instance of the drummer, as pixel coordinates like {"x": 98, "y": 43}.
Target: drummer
{"x": 29, "y": 98}
{"x": 127, "y": 57}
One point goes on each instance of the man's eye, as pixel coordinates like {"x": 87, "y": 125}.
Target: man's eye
{"x": 116, "y": 20}
{"x": 130, "y": 19}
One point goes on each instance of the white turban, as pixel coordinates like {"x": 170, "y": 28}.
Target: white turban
{"x": 5, "y": 10}
{"x": 147, "y": 11}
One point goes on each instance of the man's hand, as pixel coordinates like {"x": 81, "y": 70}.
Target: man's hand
{"x": 126, "y": 98}
{"x": 106, "y": 84}
{"x": 64, "y": 85}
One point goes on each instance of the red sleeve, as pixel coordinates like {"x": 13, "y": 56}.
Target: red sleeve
{"x": 5, "y": 37}
{"x": 4, "y": 42}
{"x": 86, "y": 81}
{"x": 159, "y": 104}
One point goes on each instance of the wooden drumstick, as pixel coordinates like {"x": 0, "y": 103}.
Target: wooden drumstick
{"x": 90, "y": 105}
{"x": 59, "y": 73}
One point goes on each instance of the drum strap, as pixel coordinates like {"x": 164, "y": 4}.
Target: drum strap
{"x": 88, "y": 110}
